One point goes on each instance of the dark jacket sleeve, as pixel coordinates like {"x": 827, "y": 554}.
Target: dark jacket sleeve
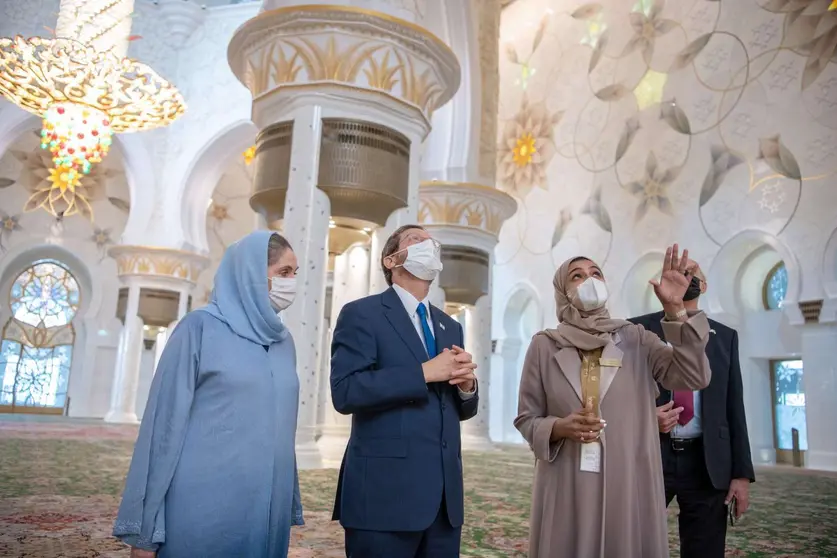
{"x": 357, "y": 384}
{"x": 742, "y": 462}
{"x": 468, "y": 406}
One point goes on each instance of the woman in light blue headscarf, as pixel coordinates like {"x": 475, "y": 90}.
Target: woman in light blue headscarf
{"x": 214, "y": 471}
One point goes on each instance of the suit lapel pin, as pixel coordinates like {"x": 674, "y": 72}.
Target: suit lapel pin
{"x": 441, "y": 325}
{"x": 712, "y": 331}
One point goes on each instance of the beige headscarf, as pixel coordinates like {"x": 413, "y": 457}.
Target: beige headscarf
{"x": 583, "y": 330}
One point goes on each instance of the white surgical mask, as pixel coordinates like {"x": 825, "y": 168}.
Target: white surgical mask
{"x": 282, "y": 292}
{"x": 590, "y": 295}
{"x": 423, "y": 260}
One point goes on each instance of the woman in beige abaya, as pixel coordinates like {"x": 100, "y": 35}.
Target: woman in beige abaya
{"x": 598, "y": 492}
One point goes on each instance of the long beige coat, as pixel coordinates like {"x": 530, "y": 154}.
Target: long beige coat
{"x": 619, "y": 512}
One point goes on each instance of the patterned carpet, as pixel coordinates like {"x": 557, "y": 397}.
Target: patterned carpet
{"x": 60, "y": 483}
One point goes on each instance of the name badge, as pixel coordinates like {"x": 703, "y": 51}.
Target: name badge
{"x": 610, "y": 362}
{"x": 591, "y": 457}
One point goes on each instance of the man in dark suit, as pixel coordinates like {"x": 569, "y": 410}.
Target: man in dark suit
{"x": 703, "y": 439}
{"x": 398, "y": 368}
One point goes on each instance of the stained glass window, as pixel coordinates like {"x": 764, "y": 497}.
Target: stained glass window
{"x": 789, "y": 404}
{"x": 776, "y": 287}
{"x": 37, "y": 342}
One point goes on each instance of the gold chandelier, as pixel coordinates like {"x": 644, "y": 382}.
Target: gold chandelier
{"x": 85, "y": 89}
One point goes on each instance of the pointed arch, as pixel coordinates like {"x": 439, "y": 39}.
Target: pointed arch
{"x": 188, "y": 204}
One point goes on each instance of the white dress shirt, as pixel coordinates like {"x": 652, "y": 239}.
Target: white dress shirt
{"x": 411, "y": 305}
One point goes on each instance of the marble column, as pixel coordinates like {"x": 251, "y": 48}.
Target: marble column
{"x": 305, "y": 224}
{"x": 182, "y": 304}
{"x": 163, "y": 336}
{"x": 820, "y": 384}
{"x": 153, "y": 268}
{"x": 505, "y": 388}
{"x": 351, "y": 282}
{"x": 478, "y": 342}
{"x": 129, "y": 353}
{"x": 160, "y": 345}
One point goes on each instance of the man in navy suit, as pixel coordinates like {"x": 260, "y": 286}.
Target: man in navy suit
{"x": 398, "y": 367}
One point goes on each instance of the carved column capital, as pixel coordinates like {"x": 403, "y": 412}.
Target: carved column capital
{"x": 299, "y": 47}
{"x": 465, "y": 213}
{"x": 155, "y": 263}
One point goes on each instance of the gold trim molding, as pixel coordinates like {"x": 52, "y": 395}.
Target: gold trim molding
{"x": 464, "y": 205}
{"x": 327, "y": 44}
{"x": 489, "y": 58}
{"x": 156, "y": 262}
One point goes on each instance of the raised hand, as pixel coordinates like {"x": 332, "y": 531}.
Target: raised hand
{"x": 674, "y": 281}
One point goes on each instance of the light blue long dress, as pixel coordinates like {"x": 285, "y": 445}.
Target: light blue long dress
{"x": 214, "y": 470}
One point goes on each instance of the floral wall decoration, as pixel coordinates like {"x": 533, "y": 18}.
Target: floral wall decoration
{"x": 627, "y": 124}
{"x": 8, "y": 225}
{"x": 527, "y": 147}
{"x": 90, "y": 213}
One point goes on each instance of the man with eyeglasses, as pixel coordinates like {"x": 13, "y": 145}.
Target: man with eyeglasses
{"x": 703, "y": 439}
{"x": 399, "y": 368}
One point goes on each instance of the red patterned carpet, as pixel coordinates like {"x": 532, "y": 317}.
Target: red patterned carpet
{"x": 60, "y": 482}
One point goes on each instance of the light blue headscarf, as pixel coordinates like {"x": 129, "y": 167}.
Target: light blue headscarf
{"x": 240, "y": 296}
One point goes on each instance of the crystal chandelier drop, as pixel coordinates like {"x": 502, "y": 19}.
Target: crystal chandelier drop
{"x": 85, "y": 89}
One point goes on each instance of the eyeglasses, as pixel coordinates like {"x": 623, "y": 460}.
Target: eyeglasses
{"x": 416, "y": 239}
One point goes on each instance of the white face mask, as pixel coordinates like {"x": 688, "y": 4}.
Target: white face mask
{"x": 590, "y": 295}
{"x": 282, "y": 292}
{"x": 423, "y": 260}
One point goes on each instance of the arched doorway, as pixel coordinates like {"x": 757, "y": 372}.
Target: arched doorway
{"x": 522, "y": 318}
{"x": 37, "y": 340}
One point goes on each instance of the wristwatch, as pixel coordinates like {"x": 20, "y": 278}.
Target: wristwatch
{"x": 677, "y": 316}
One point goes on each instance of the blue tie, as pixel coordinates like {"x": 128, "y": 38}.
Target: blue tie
{"x": 429, "y": 341}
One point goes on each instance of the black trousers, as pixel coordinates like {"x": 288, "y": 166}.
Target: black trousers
{"x": 703, "y": 515}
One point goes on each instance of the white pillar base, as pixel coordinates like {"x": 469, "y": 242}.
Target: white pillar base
{"x": 332, "y": 445}
{"x": 307, "y": 451}
{"x": 308, "y": 456}
{"x": 476, "y": 442}
{"x": 821, "y": 460}
{"x": 119, "y": 417}
{"x": 764, "y": 456}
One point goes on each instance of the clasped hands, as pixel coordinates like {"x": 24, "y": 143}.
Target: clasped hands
{"x": 454, "y": 366}
{"x": 581, "y": 426}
